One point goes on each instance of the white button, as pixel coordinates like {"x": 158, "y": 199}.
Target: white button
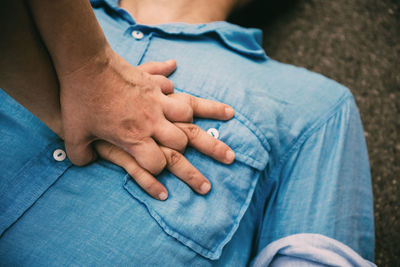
{"x": 59, "y": 154}
{"x": 213, "y": 132}
{"x": 137, "y": 35}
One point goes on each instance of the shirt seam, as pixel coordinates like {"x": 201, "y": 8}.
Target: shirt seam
{"x": 25, "y": 169}
{"x": 146, "y": 49}
{"x": 304, "y": 136}
{"x": 242, "y": 119}
{"x": 298, "y": 142}
{"x": 212, "y": 253}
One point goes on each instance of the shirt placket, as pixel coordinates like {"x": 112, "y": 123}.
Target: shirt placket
{"x": 134, "y": 44}
{"x": 31, "y": 182}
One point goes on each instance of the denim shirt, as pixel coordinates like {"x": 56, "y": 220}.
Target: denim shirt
{"x": 301, "y": 164}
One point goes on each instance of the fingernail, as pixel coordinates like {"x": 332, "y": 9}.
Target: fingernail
{"x": 229, "y": 111}
{"x": 170, "y": 61}
{"x": 204, "y": 188}
{"x": 230, "y": 156}
{"x": 162, "y": 196}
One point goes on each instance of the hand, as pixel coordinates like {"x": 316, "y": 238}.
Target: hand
{"x": 111, "y": 100}
{"x": 176, "y": 162}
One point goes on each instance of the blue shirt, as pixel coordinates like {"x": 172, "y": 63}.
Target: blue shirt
{"x": 301, "y": 164}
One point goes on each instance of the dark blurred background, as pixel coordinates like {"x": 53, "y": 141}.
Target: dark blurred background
{"x": 357, "y": 43}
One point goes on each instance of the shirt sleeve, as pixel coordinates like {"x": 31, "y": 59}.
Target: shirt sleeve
{"x": 324, "y": 187}
{"x": 311, "y": 250}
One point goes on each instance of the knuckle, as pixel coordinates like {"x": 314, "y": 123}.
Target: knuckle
{"x": 77, "y": 162}
{"x": 173, "y": 158}
{"x": 153, "y": 79}
{"x": 131, "y": 140}
{"x": 78, "y": 158}
{"x": 81, "y": 161}
{"x": 129, "y": 168}
{"x": 163, "y": 79}
{"x": 189, "y": 113}
{"x": 76, "y": 141}
{"x": 192, "y": 131}
{"x": 192, "y": 101}
{"x": 191, "y": 177}
{"x": 219, "y": 150}
{"x": 109, "y": 152}
{"x": 160, "y": 80}
{"x": 150, "y": 88}
{"x": 136, "y": 172}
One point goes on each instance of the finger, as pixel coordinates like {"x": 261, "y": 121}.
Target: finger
{"x": 176, "y": 110}
{"x": 167, "y": 134}
{"x": 160, "y": 68}
{"x": 205, "y": 108}
{"x": 148, "y": 155}
{"x": 142, "y": 177}
{"x": 207, "y": 144}
{"x": 181, "y": 167}
{"x": 167, "y": 87}
{"x": 80, "y": 154}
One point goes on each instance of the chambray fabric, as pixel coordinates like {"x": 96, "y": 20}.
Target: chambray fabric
{"x": 311, "y": 250}
{"x": 301, "y": 165}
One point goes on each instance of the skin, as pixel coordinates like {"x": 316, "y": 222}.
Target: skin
{"x": 188, "y": 11}
{"x": 131, "y": 111}
{"x": 41, "y": 82}
{"x": 165, "y": 11}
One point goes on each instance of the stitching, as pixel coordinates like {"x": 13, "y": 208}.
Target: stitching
{"x": 296, "y": 143}
{"x": 213, "y": 252}
{"x": 24, "y": 171}
{"x": 245, "y": 121}
{"x": 159, "y": 219}
{"x": 146, "y": 49}
{"x": 247, "y": 157}
{"x": 248, "y": 124}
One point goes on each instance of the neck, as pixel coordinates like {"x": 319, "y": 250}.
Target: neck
{"x": 152, "y": 12}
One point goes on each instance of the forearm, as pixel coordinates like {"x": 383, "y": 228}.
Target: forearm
{"x": 26, "y": 71}
{"x": 70, "y": 32}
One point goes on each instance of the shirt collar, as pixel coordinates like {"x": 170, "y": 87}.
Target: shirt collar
{"x": 242, "y": 40}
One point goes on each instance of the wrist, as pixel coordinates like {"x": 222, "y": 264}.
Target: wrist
{"x": 98, "y": 58}
{"x": 70, "y": 32}
{"x": 92, "y": 65}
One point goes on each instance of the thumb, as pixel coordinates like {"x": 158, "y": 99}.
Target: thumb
{"x": 165, "y": 68}
{"x": 80, "y": 154}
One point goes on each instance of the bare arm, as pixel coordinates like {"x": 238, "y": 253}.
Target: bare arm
{"x": 26, "y": 71}
{"x": 70, "y": 31}
{"x": 27, "y": 74}
{"x": 104, "y": 97}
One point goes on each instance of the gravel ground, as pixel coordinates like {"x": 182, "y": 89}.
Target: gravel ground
{"x": 356, "y": 42}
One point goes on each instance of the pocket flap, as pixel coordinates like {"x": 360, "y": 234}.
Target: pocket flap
{"x": 207, "y": 223}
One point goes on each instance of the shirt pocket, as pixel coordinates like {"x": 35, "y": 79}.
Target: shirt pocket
{"x": 207, "y": 223}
